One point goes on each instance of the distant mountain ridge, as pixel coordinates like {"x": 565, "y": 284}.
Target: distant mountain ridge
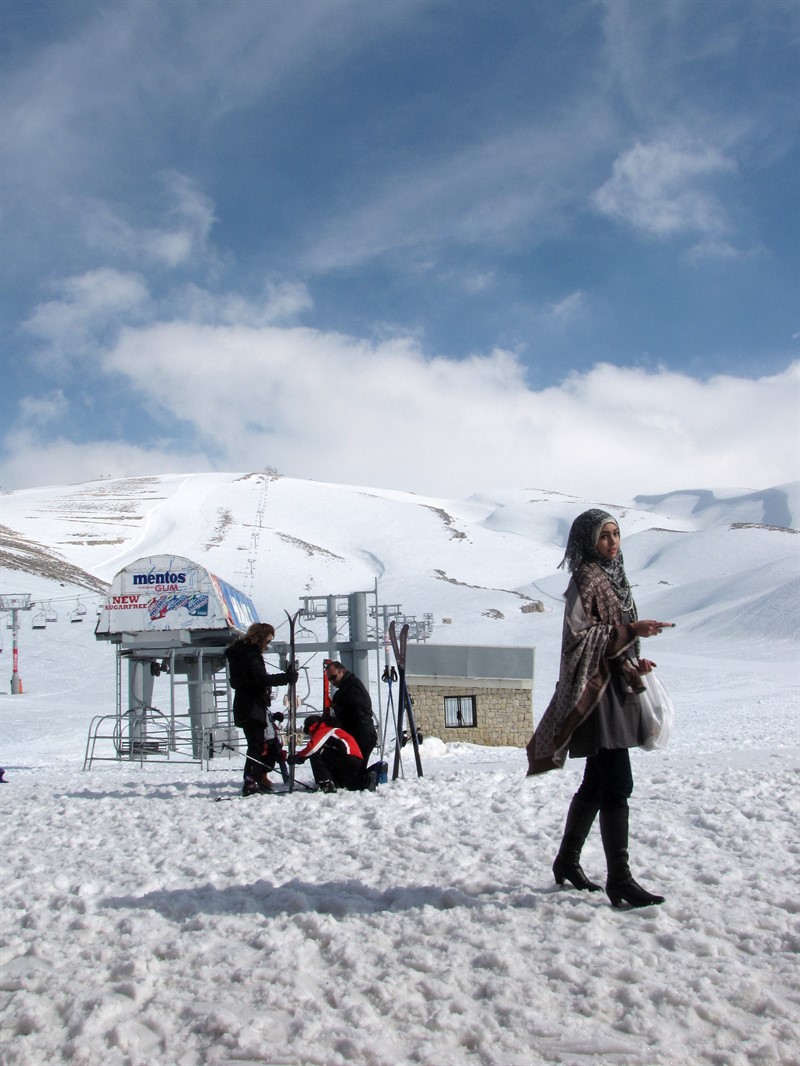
{"x": 480, "y": 562}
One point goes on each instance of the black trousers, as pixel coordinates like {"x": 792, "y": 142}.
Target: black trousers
{"x": 331, "y": 765}
{"x": 261, "y": 753}
{"x": 363, "y": 733}
{"x": 366, "y": 740}
{"x": 607, "y": 779}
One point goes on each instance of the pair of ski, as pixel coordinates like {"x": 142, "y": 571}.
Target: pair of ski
{"x": 276, "y": 790}
{"x": 404, "y": 705}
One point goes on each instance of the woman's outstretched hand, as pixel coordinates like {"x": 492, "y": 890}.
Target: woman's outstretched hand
{"x": 649, "y": 627}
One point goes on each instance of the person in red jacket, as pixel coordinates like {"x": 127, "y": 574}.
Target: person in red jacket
{"x": 335, "y": 756}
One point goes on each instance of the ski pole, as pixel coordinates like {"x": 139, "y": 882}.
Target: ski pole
{"x": 258, "y": 762}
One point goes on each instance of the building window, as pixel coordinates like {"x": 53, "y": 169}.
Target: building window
{"x": 459, "y": 712}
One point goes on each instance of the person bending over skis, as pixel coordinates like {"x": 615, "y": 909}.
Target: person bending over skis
{"x": 335, "y": 756}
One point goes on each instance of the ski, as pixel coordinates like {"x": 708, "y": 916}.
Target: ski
{"x": 292, "y": 665}
{"x": 412, "y": 728}
{"x": 399, "y": 646}
{"x": 241, "y": 796}
{"x": 276, "y": 790}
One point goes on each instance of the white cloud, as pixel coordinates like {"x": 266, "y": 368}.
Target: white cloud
{"x": 181, "y": 238}
{"x": 506, "y": 189}
{"x": 43, "y": 410}
{"x": 479, "y": 282}
{"x": 92, "y": 307}
{"x": 568, "y": 308}
{"x": 31, "y": 458}
{"x": 83, "y": 306}
{"x": 658, "y": 188}
{"x": 334, "y": 408}
{"x": 113, "y": 74}
{"x": 721, "y": 249}
{"x": 282, "y": 302}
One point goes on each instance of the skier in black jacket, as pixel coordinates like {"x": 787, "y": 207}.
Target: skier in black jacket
{"x": 252, "y": 687}
{"x": 352, "y": 710}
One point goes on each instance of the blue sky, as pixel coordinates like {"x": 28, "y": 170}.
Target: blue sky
{"x": 438, "y": 246}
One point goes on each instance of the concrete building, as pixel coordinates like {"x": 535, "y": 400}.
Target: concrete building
{"x": 479, "y": 695}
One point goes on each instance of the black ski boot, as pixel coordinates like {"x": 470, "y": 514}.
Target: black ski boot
{"x": 567, "y": 867}
{"x": 620, "y": 886}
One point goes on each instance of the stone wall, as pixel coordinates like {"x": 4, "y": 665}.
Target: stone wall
{"x": 504, "y": 709}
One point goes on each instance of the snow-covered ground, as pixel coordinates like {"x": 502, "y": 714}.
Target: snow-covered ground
{"x": 143, "y": 923}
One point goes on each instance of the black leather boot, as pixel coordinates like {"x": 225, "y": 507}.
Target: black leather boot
{"x": 567, "y": 867}
{"x": 620, "y": 886}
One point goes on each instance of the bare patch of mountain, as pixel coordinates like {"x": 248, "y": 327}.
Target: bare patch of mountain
{"x": 30, "y": 557}
{"x": 529, "y": 605}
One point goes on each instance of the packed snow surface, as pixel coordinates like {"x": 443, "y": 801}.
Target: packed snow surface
{"x": 143, "y": 923}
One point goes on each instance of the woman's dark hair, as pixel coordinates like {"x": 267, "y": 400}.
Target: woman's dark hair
{"x": 260, "y": 634}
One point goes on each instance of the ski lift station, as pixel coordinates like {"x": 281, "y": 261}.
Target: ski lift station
{"x": 166, "y": 614}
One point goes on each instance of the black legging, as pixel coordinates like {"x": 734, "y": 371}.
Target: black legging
{"x": 607, "y": 780}
{"x": 261, "y": 754}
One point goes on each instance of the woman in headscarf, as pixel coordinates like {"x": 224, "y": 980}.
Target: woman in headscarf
{"x": 594, "y": 713}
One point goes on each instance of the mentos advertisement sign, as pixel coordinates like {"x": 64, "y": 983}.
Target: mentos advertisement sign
{"x": 163, "y": 580}
{"x": 164, "y": 592}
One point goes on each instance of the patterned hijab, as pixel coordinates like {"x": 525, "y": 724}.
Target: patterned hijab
{"x": 582, "y": 548}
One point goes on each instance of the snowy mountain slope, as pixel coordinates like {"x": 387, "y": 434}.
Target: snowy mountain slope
{"x": 279, "y": 539}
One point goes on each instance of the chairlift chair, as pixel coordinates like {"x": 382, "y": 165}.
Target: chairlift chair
{"x": 39, "y": 620}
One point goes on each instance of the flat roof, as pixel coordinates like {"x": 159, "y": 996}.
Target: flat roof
{"x": 468, "y": 660}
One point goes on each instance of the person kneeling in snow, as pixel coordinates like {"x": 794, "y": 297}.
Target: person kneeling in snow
{"x": 335, "y": 757}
